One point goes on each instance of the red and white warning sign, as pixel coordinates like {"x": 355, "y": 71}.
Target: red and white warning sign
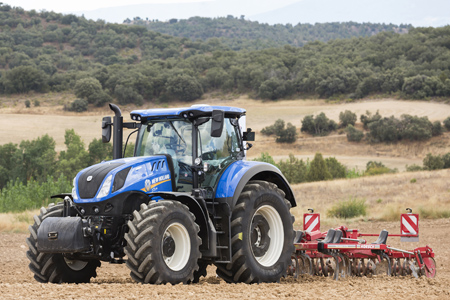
{"x": 311, "y": 222}
{"x": 409, "y": 226}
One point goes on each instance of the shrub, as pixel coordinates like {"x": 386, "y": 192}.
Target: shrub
{"x": 37, "y": 103}
{"x": 27, "y": 103}
{"x": 288, "y": 135}
{"x": 318, "y": 169}
{"x": 413, "y": 168}
{"x": 347, "y": 118}
{"x": 284, "y": 135}
{"x": 446, "y": 159}
{"x": 276, "y": 128}
{"x": 78, "y": 105}
{"x": 320, "y": 125}
{"x": 376, "y": 168}
{"x": 384, "y": 130}
{"x": 293, "y": 169}
{"x": 86, "y": 87}
{"x": 368, "y": 118}
{"x": 415, "y": 128}
{"x": 431, "y": 162}
{"x": 447, "y": 123}
{"x": 336, "y": 169}
{"x": 15, "y": 196}
{"x": 353, "y": 134}
{"x": 350, "y": 208}
{"x": 265, "y": 157}
{"x": 437, "y": 129}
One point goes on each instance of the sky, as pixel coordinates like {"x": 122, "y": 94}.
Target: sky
{"x": 62, "y": 6}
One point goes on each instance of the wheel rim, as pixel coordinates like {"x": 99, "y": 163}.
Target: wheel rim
{"x": 267, "y": 235}
{"x": 176, "y": 246}
{"x": 75, "y": 265}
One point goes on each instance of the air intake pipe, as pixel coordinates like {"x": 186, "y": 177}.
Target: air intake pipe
{"x": 118, "y": 127}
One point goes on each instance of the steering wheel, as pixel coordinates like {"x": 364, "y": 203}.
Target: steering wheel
{"x": 210, "y": 155}
{"x": 176, "y": 147}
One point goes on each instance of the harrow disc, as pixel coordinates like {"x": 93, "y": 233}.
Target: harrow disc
{"x": 331, "y": 267}
{"x": 305, "y": 264}
{"x": 429, "y": 268}
{"x": 343, "y": 266}
{"x": 294, "y": 268}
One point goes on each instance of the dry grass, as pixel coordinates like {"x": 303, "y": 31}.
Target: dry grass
{"x": 386, "y": 195}
{"x": 17, "y": 222}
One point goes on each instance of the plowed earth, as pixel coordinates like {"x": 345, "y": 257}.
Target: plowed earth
{"x": 114, "y": 282}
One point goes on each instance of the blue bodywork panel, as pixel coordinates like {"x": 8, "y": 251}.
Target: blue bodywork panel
{"x": 147, "y": 174}
{"x": 161, "y": 113}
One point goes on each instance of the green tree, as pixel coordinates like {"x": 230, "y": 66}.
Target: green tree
{"x": 38, "y": 157}
{"x": 86, "y": 87}
{"x": 336, "y": 169}
{"x": 24, "y": 79}
{"x": 75, "y": 158}
{"x": 99, "y": 151}
{"x": 347, "y": 118}
{"x": 431, "y": 162}
{"x": 184, "y": 87}
{"x": 288, "y": 135}
{"x": 293, "y": 169}
{"x": 353, "y": 134}
{"x": 318, "y": 169}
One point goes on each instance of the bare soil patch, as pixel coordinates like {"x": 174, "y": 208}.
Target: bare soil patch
{"x": 113, "y": 281}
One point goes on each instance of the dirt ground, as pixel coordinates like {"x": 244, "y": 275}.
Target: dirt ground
{"x": 114, "y": 282}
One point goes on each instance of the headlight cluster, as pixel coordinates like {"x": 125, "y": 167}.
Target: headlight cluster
{"x": 74, "y": 190}
{"x": 106, "y": 187}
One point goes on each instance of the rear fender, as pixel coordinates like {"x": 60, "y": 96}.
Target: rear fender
{"x": 238, "y": 174}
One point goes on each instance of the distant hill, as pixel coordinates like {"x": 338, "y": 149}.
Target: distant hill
{"x": 102, "y": 62}
{"x": 239, "y": 33}
{"x": 419, "y": 13}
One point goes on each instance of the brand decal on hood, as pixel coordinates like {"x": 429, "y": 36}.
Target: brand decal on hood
{"x": 150, "y": 185}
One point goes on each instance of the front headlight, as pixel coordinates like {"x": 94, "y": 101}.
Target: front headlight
{"x": 74, "y": 190}
{"x": 106, "y": 187}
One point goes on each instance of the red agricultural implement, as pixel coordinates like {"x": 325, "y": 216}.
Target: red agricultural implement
{"x": 343, "y": 252}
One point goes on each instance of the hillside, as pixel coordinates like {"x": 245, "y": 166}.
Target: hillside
{"x": 243, "y": 34}
{"x": 50, "y": 52}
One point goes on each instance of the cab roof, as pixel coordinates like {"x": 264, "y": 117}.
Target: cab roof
{"x": 195, "y": 111}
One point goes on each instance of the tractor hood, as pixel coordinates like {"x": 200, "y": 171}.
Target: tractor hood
{"x": 107, "y": 179}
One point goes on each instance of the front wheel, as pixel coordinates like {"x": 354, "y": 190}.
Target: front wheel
{"x": 55, "y": 267}
{"x": 163, "y": 243}
{"x": 262, "y": 235}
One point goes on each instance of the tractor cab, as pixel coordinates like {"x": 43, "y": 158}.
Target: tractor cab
{"x": 201, "y": 141}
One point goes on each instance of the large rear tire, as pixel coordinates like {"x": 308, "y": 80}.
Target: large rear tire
{"x": 262, "y": 235}
{"x": 54, "y": 267}
{"x": 163, "y": 243}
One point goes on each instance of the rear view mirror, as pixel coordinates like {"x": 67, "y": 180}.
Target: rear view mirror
{"x": 217, "y": 121}
{"x": 248, "y": 135}
{"x": 106, "y": 129}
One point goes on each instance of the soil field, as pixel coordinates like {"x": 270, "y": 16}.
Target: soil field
{"x": 114, "y": 282}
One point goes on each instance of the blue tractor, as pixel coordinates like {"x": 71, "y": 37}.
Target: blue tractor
{"x": 187, "y": 199}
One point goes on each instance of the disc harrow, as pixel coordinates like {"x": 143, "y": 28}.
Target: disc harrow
{"x": 342, "y": 252}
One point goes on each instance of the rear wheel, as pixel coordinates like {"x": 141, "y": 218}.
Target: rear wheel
{"x": 262, "y": 235}
{"x": 55, "y": 267}
{"x": 163, "y": 244}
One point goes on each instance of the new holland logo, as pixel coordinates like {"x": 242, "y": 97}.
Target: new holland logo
{"x": 89, "y": 178}
{"x": 151, "y": 185}
{"x": 148, "y": 185}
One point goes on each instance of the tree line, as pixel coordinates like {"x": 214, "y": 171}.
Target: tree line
{"x": 240, "y": 34}
{"x": 378, "y": 129}
{"x": 47, "y": 51}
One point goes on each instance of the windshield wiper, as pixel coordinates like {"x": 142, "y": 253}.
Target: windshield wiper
{"x": 176, "y": 131}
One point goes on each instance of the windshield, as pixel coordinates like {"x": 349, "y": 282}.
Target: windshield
{"x": 174, "y": 137}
